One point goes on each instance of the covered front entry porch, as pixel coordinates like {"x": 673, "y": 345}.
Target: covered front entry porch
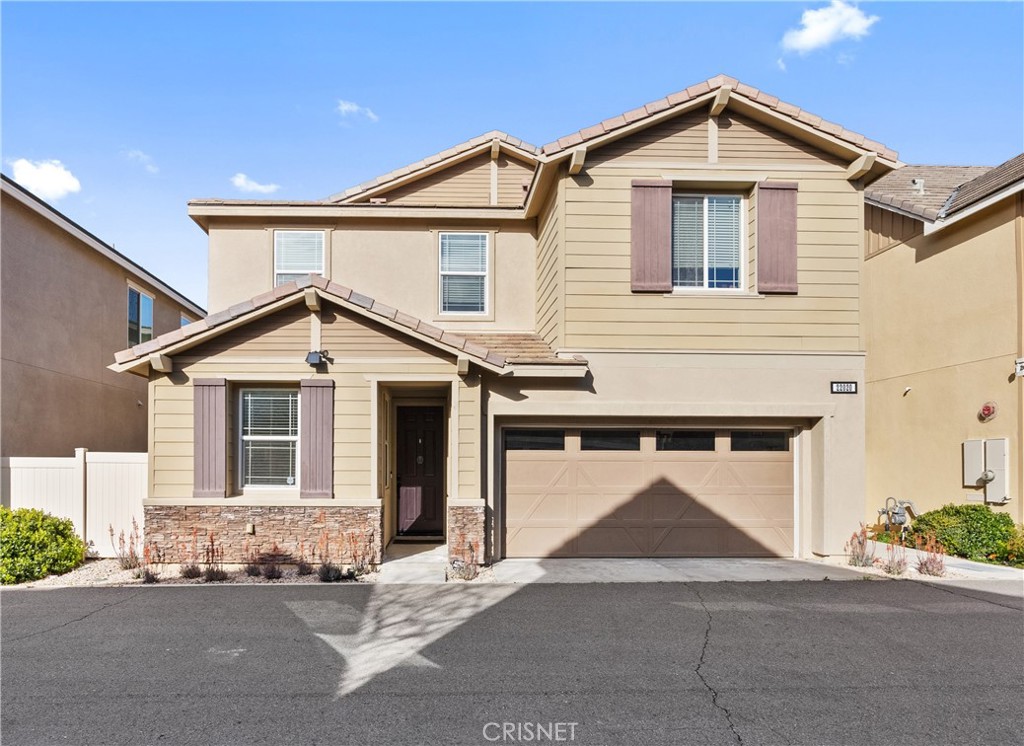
{"x": 427, "y": 467}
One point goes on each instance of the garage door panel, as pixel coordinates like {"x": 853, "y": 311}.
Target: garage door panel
{"x": 648, "y": 502}
{"x": 613, "y": 541}
{"x": 610, "y": 473}
{"x": 593, "y": 507}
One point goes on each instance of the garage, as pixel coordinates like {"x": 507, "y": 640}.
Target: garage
{"x": 647, "y": 492}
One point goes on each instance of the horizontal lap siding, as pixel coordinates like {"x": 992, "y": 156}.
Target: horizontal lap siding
{"x": 469, "y": 440}
{"x": 885, "y": 228}
{"x": 601, "y": 312}
{"x": 283, "y": 333}
{"x": 550, "y": 279}
{"x": 361, "y": 350}
{"x": 742, "y": 140}
{"x": 683, "y": 138}
{"x": 466, "y": 183}
{"x": 512, "y": 174}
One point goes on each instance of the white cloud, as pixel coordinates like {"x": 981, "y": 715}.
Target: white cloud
{"x": 245, "y": 184}
{"x": 143, "y": 159}
{"x": 780, "y": 64}
{"x": 46, "y": 179}
{"x": 351, "y": 109}
{"x": 824, "y": 26}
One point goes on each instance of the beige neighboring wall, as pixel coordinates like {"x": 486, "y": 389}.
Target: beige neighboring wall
{"x": 395, "y": 262}
{"x": 601, "y": 312}
{"x": 64, "y": 315}
{"x": 943, "y": 319}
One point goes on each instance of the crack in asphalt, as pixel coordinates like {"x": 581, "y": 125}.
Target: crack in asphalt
{"x": 700, "y": 664}
{"x": 79, "y": 619}
{"x": 967, "y": 595}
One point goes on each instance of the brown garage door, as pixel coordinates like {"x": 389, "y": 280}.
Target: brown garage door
{"x": 648, "y": 493}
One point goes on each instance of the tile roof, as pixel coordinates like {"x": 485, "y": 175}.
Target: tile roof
{"x": 431, "y": 160}
{"x": 514, "y": 349}
{"x": 896, "y": 190}
{"x": 987, "y": 184}
{"x": 713, "y": 84}
{"x": 521, "y": 348}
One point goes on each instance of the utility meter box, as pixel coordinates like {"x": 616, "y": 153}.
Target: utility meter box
{"x": 986, "y": 463}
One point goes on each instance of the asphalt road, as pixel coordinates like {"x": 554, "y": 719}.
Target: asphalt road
{"x": 853, "y": 662}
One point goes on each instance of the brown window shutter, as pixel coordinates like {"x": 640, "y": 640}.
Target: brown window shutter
{"x": 651, "y": 236}
{"x": 210, "y": 436}
{"x": 316, "y": 438}
{"x": 776, "y": 237}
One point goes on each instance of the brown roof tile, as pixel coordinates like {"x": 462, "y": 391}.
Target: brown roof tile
{"x": 496, "y": 349}
{"x": 987, "y": 184}
{"x": 897, "y": 190}
{"x": 741, "y": 89}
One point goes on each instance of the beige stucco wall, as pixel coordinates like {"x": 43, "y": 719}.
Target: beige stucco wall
{"x": 394, "y": 262}
{"x": 727, "y": 390}
{"x": 943, "y": 318}
{"x": 64, "y": 315}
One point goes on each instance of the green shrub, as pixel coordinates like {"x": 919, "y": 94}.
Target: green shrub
{"x": 971, "y": 531}
{"x": 1013, "y": 551}
{"x": 34, "y": 544}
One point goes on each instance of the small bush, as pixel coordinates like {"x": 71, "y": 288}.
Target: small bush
{"x": 329, "y": 572}
{"x": 190, "y": 571}
{"x": 895, "y": 562}
{"x": 150, "y": 576}
{"x": 214, "y": 574}
{"x": 253, "y": 569}
{"x": 272, "y": 571}
{"x": 304, "y": 568}
{"x": 932, "y": 561}
{"x": 127, "y": 549}
{"x": 970, "y": 531}
{"x": 858, "y": 548}
{"x": 1013, "y": 551}
{"x": 34, "y": 544}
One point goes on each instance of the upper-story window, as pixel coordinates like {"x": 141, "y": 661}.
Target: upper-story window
{"x": 297, "y": 254}
{"x": 707, "y": 241}
{"x": 463, "y": 273}
{"x": 140, "y": 317}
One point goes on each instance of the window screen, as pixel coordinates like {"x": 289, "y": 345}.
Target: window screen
{"x": 463, "y": 272}
{"x": 269, "y": 431}
{"x": 686, "y": 440}
{"x": 297, "y": 254}
{"x": 535, "y": 440}
{"x": 760, "y": 440}
{"x": 609, "y": 440}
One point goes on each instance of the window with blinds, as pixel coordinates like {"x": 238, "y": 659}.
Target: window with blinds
{"x": 269, "y": 435}
{"x": 707, "y": 235}
{"x": 463, "y": 266}
{"x": 297, "y": 254}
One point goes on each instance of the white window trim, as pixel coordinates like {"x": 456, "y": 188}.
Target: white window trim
{"x": 152, "y": 299}
{"x": 743, "y": 289}
{"x": 267, "y": 490}
{"x": 322, "y": 271}
{"x": 486, "y": 274}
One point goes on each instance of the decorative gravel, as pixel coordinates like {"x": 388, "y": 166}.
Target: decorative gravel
{"x": 107, "y": 572}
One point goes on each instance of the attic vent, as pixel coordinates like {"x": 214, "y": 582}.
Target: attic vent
{"x": 378, "y": 200}
{"x": 918, "y": 185}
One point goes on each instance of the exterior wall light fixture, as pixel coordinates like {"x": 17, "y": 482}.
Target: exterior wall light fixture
{"x": 317, "y": 357}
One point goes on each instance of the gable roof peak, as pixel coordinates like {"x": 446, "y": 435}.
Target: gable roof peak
{"x": 715, "y": 83}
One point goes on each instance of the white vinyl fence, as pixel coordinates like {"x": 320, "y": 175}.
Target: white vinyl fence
{"x": 95, "y": 490}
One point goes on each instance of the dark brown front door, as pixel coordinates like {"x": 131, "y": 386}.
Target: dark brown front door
{"x": 420, "y": 469}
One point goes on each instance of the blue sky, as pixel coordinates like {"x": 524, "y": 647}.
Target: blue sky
{"x": 148, "y": 105}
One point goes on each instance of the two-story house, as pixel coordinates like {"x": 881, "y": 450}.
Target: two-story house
{"x": 68, "y": 302}
{"x": 643, "y": 339}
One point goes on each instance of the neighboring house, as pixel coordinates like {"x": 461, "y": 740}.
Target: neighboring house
{"x": 944, "y": 325}
{"x": 635, "y": 341}
{"x": 68, "y": 301}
